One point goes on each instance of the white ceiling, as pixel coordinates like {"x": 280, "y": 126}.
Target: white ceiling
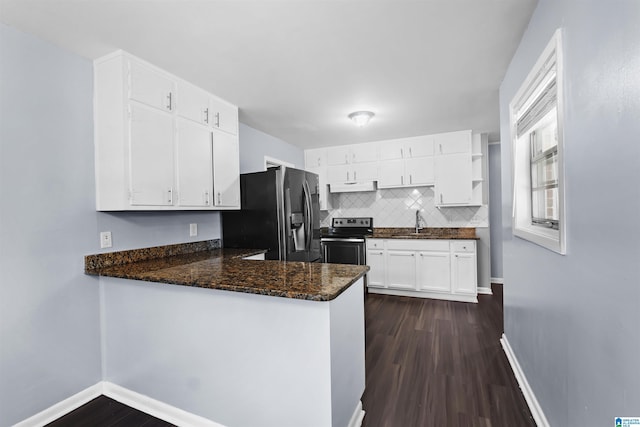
{"x": 296, "y": 68}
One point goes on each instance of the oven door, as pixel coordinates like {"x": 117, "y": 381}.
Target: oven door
{"x": 342, "y": 250}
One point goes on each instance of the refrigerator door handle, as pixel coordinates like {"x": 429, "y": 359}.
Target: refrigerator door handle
{"x": 308, "y": 215}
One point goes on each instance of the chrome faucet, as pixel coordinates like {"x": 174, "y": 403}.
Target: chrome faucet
{"x": 418, "y": 219}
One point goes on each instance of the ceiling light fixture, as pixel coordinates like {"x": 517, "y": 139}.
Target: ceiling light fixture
{"x": 361, "y": 118}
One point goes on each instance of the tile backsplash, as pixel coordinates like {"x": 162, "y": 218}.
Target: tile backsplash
{"x": 397, "y": 208}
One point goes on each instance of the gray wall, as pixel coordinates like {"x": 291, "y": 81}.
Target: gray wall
{"x": 254, "y": 145}
{"x": 49, "y": 310}
{"x": 573, "y": 320}
{"x": 49, "y": 319}
{"x": 495, "y": 210}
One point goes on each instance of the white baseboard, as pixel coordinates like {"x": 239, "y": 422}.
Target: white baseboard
{"x": 130, "y": 398}
{"x": 530, "y": 397}
{"x": 484, "y": 291}
{"x": 498, "y": 280}
{"x": 62, "y": 408}
{"x": 357, "y": 417}
{"x": 421, "y": 294}
{"x": 154, "y": 407}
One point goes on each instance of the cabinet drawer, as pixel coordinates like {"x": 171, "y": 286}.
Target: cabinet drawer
{"x": 375, "y": 243}
{"x": 463, "y": 246}
{"x": 418, "y": 245}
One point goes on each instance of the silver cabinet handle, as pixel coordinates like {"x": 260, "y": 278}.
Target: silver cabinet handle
{"x": 217, "y": 119}
{"x": 410, "y": 179}
{"x": 170, "y": 101}
{"x": 441, "y": 198}
{"x": 170, "y": 196}
{"x": 355, "y": 178}
{"x": 410, "y": 153}
{"x": 219, "y": 202}
{"x": 206, "y": 115}
{"x": 402, "y": 153}
{"x": 206, "y": 198}
{"x": 402, "y": 180}
{"x": 347, "y": 176}
{"x": 440, "y": 148}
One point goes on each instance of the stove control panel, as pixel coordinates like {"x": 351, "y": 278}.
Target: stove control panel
{"x": 352, "y": 222}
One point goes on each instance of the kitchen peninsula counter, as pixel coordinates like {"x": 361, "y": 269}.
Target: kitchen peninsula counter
{"x": 200, "y": 265}
{"x": 236, "y": 341}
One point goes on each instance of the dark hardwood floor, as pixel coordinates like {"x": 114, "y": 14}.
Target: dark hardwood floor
{"x": 439, "y": 363}
{"x": 428, "y": 363}
{"x": 105, "y": 412}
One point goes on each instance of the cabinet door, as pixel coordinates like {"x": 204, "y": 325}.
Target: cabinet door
{"x": 453, "y": 142}
{"x": 316, "y": 158}
{"x": 151, "y": 87}
{"x": 453, "y": 180}
{"x": 150, "y": 157}
{"x": 434, "y": 271}
{"x": 375, "y": 276}
{"x": 401, "y": 269}
{"x": 226, "y": 170}
{"x": 195, "y": 169}
{"x": 193, "y": 103}
{"x": 418, "y": 146}
{"x": 364, "y": 172}
{"x": 363, "y": 153}
{"x": 391, "y": 149}
{"x": 464, "y": 274}
{"x": 224, "y": 116}
{"x": 338, "y": 156}
{"x": 339, "y": 174}
{"x": 391, "y": 174}
{"x": 420, "y": 171}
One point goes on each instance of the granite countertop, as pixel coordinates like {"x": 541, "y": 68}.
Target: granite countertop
{"x": 425, "y": 233}
{"x": 203, "y": 265}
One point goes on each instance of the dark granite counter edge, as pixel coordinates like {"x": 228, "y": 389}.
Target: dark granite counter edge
{"x": 107, "y": 259}
{"x": 319, "y": 297}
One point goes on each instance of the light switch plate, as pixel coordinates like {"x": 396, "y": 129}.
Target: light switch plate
{"x": 105, "y": 239}
{"x": 193, "y": 230}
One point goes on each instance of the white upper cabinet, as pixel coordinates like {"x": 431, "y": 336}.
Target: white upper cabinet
{"x": 350, "y": 154}
{"x": 453, "y": 142}
{"x": 224, "y": 115}
{"x": 406, "y": 148}
{"x": 151, "y": 136}
{"x": 194, "y": 157}
{"x": 454, "y": 170}
{"x": 315, "y": 158}
{"x": 151, "y": 87}
{"x": 154, "y": 140}
{"x": 193, "y": 103}
{"x": 406, "y": 162}
{"x": 200, "y": 106}
{"x": 226, "y": 172}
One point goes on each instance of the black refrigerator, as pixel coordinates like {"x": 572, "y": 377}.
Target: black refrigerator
{"x": 279, "y": 212}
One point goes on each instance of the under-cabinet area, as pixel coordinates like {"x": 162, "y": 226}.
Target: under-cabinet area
{"x": 161, "y": 143}
{"x": 429, "y": 268}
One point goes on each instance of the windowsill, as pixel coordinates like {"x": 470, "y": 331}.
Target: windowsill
{"x": 546, "y": 237}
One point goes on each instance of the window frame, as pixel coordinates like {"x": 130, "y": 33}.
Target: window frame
{"x": 523, "y": 225}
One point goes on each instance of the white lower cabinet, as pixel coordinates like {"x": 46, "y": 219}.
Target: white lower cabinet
{"x": 441, "y": 269}
{"x": 375, "y": 261}
{"x": 401, "y": 269}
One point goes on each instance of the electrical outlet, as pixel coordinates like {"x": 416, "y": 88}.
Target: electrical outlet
{"x": 105, "y": 239}
{"x": 193, "y": 230}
